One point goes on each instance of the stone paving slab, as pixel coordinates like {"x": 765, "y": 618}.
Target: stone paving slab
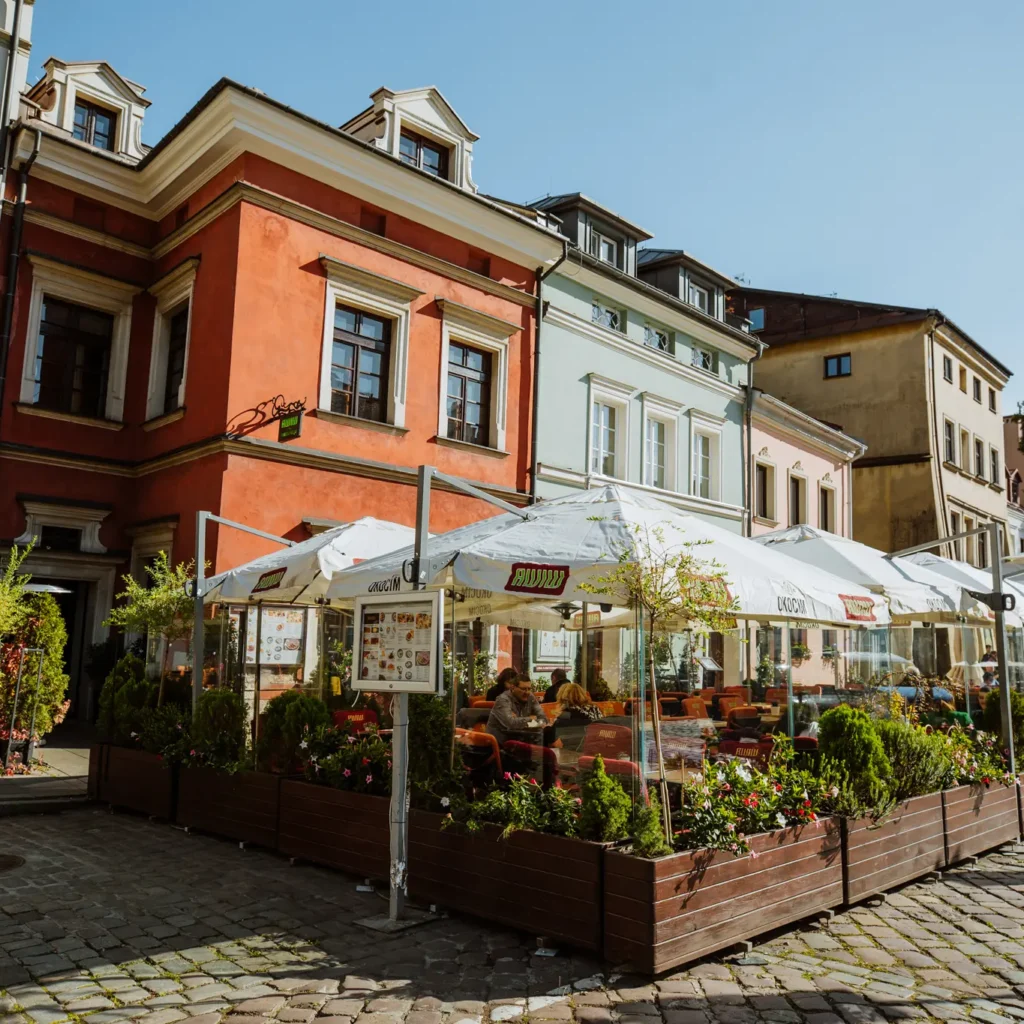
{"x": 114, "y": 919}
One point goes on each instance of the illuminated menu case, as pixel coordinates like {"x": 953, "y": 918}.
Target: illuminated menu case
{"x": 397, "y": 642}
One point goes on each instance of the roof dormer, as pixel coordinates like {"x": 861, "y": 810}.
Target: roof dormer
{"x": 420, "y": 128}
{"x": 92, "y": 103}
{"x": 688, "y": 279}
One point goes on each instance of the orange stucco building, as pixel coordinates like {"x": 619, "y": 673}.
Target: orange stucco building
{"x": 163, "y": 294}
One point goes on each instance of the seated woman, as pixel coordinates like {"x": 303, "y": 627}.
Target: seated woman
{"x": 577, "y": 707}
{"x": 507, "y": 678}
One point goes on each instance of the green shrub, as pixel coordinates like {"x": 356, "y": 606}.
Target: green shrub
{"x": 218, "y": 727}
{"x": 522, "y": 804}
{"x": 288, "y": 720}
{"x": 992, "y": 716}
{"x": 919, "y": 761}
{"x": 431, "y": 772}
{"x": 606, "y": 810}
{"x": 129, "y": 668}
{"x": 646, "y": 832}
{"x": 130, "y": 705}
{"x": 852, "y": 748}
{"x": 164, "y": 730}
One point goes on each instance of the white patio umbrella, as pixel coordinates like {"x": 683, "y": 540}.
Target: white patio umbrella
{"x": 969, "y": 576}
{"x": 566, "y": 543}
{"x": 915, "y": 593}
{"x": 300, "y": 574}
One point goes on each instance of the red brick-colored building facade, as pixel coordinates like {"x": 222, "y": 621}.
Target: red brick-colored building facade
{"x": 162, "y": 294}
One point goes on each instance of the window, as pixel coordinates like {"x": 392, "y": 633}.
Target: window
{"x": 702, "y": 482}
{"x": 704, "y": 359}
{"x": 177, "y": 343}
{"x": 428, "y": 156}
{"x": 827, "y": 509}
{"x": 837, "y": 366}
{"x": 72, "y": 358}
{"x": 60, "y": 538}
{"x": 969, "y": 542}
{"x": 604, "y": 248}
{"x": 982, "y": 549}
{"x": 756, "y": 318}
{"x": 469, "y": 392}
{"x": 947, "y": 369}
{"x": 360, "y": 355}
{"x": 654, "y": 454}
{"x": 992, "y": 399}
{"x": 94, "y": 125}
{"x": 797, "y": 500}
{"x": 963, "y": 380}
{"x": 995, "y": 467}
{"x": 602, "y": 455}
{"x": 954, "y": 529}
{"x": 979, "y": 458}
{"x": 655, "y": 337}
{"x": 965, "y": 451}
{"x": 764, "y": 492}
{"x": 605, "y": 316}
{"x": 977, "y": 390}
{"x": 949, "y": 441}
{"x": 698, "y": 296}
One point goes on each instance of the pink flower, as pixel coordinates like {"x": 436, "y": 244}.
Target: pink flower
{"x": 508, "y": 776}
{"x": 347, "y": 772}
{"x": 191, "y": 753}
{"x": 533, "y": 782}
{"x": 579, "y": 802}
{"x": 369, "y": 778}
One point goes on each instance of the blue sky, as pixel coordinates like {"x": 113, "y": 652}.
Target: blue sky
{"x": 874, "y": 149}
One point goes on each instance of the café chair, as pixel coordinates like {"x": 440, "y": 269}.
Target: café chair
{"x": 694, "y": 707}
{"x": 805, "y": 744}
{"x": 358, "y": 720}
{"x": 482, "y": 755}
{"x": 472, "y": 718}
{"x": 524, "y": 759}
{"x": 610, "y": 741}
{"x": 611, "y": 707}
{"x": 738, "y": 691}
{"x": 479, "y": 702}
{"x": 776, "y": 695}
{"x": 612, "y": 766}
{"x": 726, "y": 704}
{"x": 552, "y": 711}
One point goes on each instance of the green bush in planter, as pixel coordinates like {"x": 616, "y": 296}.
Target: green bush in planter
{"x": 849, "y": 743}
{"x": 131, "y": 702}
{"x": 431, "y": 774}
{"x": 919, "y": 761}
{"x": 289, "y": 719}
{"x": 128, "y": 669}
{"x": 992, "y": 716}
{"x": 218, "y": 728}
{"x": 163, "y": 730}
{"x": 606, "y": 810}
{"x": 646, "y": 833}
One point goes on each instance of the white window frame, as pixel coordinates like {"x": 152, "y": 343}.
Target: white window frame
{"x": 95, "y": 291}
{"x": 607, "y": 307}
{"x": 771, "y": 512}
{"x": 946, "y": 453}
{"x": 708, "y": 293}
{"x": 803, "y": 511}
{"x": 352, "y": 286}
{"x": 947, "y": 364}
{"x": 596, "y": 240}
{"x": 107, "y": 101}
{"x": 172, "y": 292}
{"x": 978, "y": 467}
{"x": 619, "y": 396}
{"x": 955, "y": 519}
{"x": 994, "y": 465}
{"x": 711, "y": 427}
{"x": 993, "y": 400}
{"x": 823, "y": 489}
{"x": 697, "y": 353}
{"x": 654, "y": 330}
{"x": 665, "y": 411}
{"x": 970, "y": 546}
{"x": 966, "y": 451}
{"x": 489, "y": 334}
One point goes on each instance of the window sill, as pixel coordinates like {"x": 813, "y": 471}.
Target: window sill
{"x": 161, "y": 421}
{"x": 997, "y": 487}
{"x": 67, "y": 417}
{"x": 356, "y": 421}
{"x": 951, "y": 466}
{"x": 762, "y": 521}
{"x": 466, "y": 446}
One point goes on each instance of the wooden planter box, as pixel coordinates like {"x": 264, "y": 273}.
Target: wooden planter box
{"x": 335, "y": 828}
{"x": 665, "y": 912}
{"x": 541, "y": 884}
{"x": 907, "y": 845}
{"x": 241, "y": 806}
{"x": 137, "y": 781}
{"x": 97, "y": 769}
{"x": 978, "y": 819}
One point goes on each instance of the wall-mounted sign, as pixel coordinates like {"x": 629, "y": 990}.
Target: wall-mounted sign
{"x": 289, "y": 426}
{"x": 397, "y": 642}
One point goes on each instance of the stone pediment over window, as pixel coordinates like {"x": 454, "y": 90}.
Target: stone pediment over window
{"x": 421, "y": 128}
{"x": 90, "y": 102}
{"x": 64, "y": 526}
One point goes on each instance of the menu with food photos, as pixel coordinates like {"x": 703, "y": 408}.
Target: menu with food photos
{"x": 397, "y": 643}
{"x": 280, "y": 639}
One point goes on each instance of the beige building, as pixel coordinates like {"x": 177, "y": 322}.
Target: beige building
{"x": 922, "y": 394}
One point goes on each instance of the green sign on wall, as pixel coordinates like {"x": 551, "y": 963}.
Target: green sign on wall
{"x": 289, "y": 427}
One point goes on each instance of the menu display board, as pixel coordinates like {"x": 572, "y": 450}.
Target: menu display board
{"x": 280, "y": 640}
{"x": 396, "y": 642}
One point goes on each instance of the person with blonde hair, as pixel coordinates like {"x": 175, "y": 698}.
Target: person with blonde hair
{"x": 577, "y": 707}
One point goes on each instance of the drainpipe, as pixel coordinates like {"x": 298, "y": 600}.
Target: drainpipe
{"x": 541, "y": 274}
{"x": 12, "y": 261}
{"x": 748, "y": 476}
{"x": 8, "y": 92}
{"x": 940, "y": 454}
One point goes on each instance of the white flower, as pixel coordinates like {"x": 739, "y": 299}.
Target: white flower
{"x": 743, "y": 773}
{"x": 781, "y": 819}
{"x": 806, "y": 797}
{"x": 834, "y": 792}
{"x": 135, "y": 735}
{"x": 445, "y": 801}
{"x": 303, "y": 744}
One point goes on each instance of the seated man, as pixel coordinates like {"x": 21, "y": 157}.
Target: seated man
{"x": 558, "y": 680}
{"x": 517, "y": 714}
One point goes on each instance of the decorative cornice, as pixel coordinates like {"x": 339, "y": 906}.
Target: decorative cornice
{"x": 368, "y": 280}
{"x": 613, "y": 339}
{"x": 67, "y": 269}
{"x": 67, "y": 417}
{"x": 90, "y": 235}
{"x": 769, "y": 413}
{"x": 457, "y": 313}
{"x": 176, "y": 277}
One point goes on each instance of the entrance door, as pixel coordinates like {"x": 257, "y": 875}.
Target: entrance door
{"x": 82, "y": 692}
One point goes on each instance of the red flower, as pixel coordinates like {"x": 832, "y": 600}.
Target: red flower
{"x": 807, "y": 803}
{"x": 366, "y": 760}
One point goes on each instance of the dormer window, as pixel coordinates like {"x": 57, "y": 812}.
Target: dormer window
{"x": 94, "y": 125}
{"x": 604, "y": 248}
{"x": 698, "y": 296}
{"x": 416, "y": 151}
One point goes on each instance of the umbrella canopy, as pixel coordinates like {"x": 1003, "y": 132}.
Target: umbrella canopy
{"x": 300, "y": 574}
{"x": 971, "y": 576}
{"x": 915, "y": 593}
{"x": 568, "y": 543}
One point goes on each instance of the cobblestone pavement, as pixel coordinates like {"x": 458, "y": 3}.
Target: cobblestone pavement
{"x": 112, "y": 918}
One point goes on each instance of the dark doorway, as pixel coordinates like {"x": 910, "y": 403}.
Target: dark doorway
{"x": 81, "y": 690}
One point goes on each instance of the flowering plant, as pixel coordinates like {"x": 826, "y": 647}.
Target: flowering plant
{"x": 975, "y": 759}
{"x": 340, "y": 759}
{"x": 521, "y": 804}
